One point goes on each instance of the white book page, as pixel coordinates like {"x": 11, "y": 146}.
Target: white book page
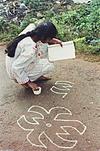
{"x": 56, "y": 52}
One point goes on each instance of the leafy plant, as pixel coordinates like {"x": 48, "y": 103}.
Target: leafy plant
{"x": 82, "y": 22}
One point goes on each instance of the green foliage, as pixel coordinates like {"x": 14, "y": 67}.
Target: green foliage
{"x": 3, "y": 25}
{"x": 36, "y": 5}
{"x": 81, "y": 47}
{"x": 89, "y": 19}
{"x": 28, "y": 19}
{"x": 4, "y": 37}
{"x": 82, "y": 20}
{"x": 8, "y": 31}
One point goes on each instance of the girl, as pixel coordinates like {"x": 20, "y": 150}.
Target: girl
{"x": 24, "y": 62}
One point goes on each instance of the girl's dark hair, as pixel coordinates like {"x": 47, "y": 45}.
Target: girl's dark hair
{"x": 43, "y": 31}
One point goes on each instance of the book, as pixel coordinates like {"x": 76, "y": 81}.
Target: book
{"x": 56, "y": 52}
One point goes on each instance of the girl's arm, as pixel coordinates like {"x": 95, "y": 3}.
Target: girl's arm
{"x": 55, "y": 41}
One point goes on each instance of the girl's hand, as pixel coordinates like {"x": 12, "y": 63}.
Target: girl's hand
{"x": 35, "y": 88}
{"x": 56, "y": 41}
{"x": 32, "y": 85}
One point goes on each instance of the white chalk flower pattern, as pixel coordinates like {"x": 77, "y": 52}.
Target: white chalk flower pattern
{"x": 62, "y": 88}
{"x": 51, "y": 124}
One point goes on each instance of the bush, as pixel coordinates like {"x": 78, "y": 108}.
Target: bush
{"x": 81, "y": 23}
{"x": 82, "y": 47}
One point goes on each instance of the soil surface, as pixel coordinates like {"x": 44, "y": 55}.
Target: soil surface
{"x": 81, "y": 108}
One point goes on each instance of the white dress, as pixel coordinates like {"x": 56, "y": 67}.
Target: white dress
{"x": 26, "y": 64}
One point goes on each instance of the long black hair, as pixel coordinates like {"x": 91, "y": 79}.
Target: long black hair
{"x": 43, "y": 31}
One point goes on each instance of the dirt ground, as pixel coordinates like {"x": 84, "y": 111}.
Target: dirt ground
{"x": 83, "y": 101}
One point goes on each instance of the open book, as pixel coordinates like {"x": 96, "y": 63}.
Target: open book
{"x": 56, "y": 52}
